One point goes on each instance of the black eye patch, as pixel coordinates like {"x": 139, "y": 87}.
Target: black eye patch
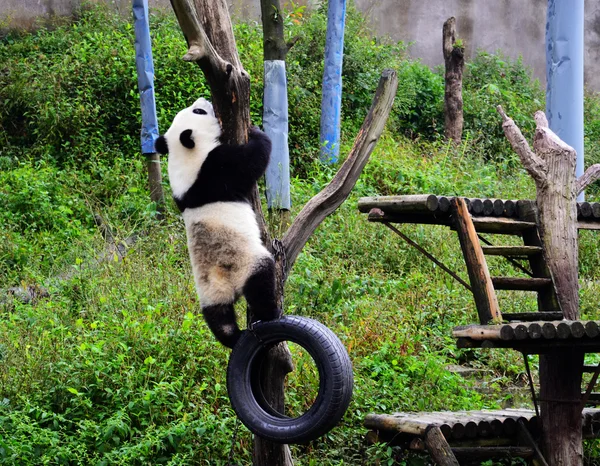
{"x": 199, "y": 111}
{"x": 186, "y": 139}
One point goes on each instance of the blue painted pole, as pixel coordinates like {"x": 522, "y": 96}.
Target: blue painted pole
{"x": 275, "y": 124}
{"x": 331, "y": 102}
{"x": 564, "y": 73}
{"x": 145, "y": 72}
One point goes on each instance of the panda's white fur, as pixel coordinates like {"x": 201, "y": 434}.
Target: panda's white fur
{"x": 211, "y": 184}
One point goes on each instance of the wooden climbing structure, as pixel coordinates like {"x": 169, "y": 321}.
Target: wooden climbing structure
{"x": 491, "y": 434}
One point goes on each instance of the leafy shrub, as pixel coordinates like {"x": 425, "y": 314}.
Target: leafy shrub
{"x": 85, "y": 103}
{"x": 491, "y": 80}
{"x": 591, "y": 115}
{"x": 418, "y": 108}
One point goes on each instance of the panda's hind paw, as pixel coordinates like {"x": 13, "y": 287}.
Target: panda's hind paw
{"x": 277, "y": 314}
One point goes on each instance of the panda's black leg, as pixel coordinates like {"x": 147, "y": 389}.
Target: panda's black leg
{"x": 259, "y": 291}
{"x": 222, "y": 323}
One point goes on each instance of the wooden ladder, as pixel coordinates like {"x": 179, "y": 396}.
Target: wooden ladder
{"x": 483, "y": 285}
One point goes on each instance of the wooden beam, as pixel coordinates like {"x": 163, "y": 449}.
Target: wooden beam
{"x": 501, "y": 225}
{"x": 479, "y": 275}
{"x": 526, "y": 437}
{"x": 486, "y": 453}
{"x": 410, "y": 204}
{"x": 511, "y": 251}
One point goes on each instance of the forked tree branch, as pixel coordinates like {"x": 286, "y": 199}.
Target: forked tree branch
{"x": 591, "y": 175}
{"x": 199, "y": 45}
{"x": 535, "y": 165}
{"x": 332, "y": 196}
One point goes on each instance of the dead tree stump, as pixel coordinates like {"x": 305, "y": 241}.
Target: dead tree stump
{"x": 454, "y": 59}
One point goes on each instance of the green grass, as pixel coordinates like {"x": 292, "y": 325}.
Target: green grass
{"x": 116, "y": 366}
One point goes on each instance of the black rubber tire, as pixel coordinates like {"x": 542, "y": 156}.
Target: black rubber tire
{"x": 335, "y": 380}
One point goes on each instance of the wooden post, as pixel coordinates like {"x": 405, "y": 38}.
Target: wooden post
{"x": 454, "y": 59}
{"x": 479, "y": 275}
{"x": 560, "y": 403}
{"x": 438, "y": 448}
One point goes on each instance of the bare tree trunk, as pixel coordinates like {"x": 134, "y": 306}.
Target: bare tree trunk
{"x": 552, "y": 166}
{"x": 155, "y": 183}
{"x": 454, "y": 59}
{"x": 207, "y": 28}
{"x": 274, "y": 45}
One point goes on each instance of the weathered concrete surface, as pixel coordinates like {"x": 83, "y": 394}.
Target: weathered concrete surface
{"x": 516, "y": 27}
{"x": 24, "y": 13}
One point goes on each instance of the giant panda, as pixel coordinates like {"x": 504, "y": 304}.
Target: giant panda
{"x": 211, "y": 184}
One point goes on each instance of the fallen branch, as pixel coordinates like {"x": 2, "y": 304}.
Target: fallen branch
{"x": 114, "y": 250}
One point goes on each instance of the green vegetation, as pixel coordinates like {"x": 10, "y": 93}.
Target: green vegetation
{"x": 116, "y": 365}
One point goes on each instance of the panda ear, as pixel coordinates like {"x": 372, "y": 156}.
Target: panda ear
{"x": 161, "y": 145}
{"x": 186, "y": 139}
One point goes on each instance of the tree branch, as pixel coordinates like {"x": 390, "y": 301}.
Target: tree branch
{"x": 331, "y": 197}
{"x": 591, "y": 175}
{"x": 292, "y": 42}
{"x": 535, "y": 165}
{"x": 547, "y": 142}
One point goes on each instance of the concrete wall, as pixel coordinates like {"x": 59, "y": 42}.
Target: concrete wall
{"x": 516, "y": 27}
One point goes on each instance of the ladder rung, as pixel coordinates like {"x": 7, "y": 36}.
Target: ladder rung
{"x": 526, "y": 284}
{"x": 511, "y": 251}
{"x": 501, "y": 225}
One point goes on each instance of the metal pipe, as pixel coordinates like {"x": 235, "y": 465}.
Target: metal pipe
{"x": 564, "y": 74}
{"x": 331, "y": 102}
{"x": 145, "y": 73}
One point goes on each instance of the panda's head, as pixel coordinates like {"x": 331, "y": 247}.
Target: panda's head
{"x": 191, "y": 127}
{"x": 195, "y": 131}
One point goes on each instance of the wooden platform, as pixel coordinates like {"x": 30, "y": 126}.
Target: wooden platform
{"x": 457, "y": 425}
{"x": 481, "y": 434}
{"x": 532, "y": 337}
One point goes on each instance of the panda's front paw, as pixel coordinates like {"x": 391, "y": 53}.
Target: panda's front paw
{"x": 254, "y": 131}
